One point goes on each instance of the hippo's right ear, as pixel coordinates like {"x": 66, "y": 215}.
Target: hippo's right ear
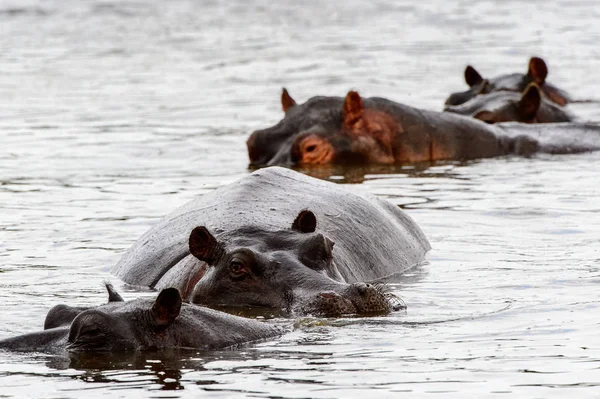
{"x": 538, "y": 70}
{"x": 204, "y": 246}
{"x": 166, "y": 307}
{"x": 472, "y": 77}
{"x": 287, "y": 101}
{"x": 530, "y": 102}
{"x": 353, "y": 108}
{"x": 306, "y": 222}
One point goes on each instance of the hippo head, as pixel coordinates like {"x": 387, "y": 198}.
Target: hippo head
{"x": 144, "y": 324}
{"x": 116, "y": 326}
{"x": 536, "y": 73}
{"x": 325, "y": 130}
{"x": 502, "y": 106}
{"x": 507, "y": 106}
{"x": 291, "y": 270}
{"x": 124, "y": 327}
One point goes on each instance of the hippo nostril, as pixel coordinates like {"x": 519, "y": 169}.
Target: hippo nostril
{"x": 311, "y": 148}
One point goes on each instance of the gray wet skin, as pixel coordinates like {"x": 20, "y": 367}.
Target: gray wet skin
{"x": 536, "y": 73}
{"x": 279, "y": 240}
{"x": 508, "y": 106}
{"x": 142, "y": 324}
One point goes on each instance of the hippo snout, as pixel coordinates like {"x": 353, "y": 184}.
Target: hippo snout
{"x": 356, "y": 298}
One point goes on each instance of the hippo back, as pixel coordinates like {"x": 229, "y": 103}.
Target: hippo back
{"x": 372, "y": 237}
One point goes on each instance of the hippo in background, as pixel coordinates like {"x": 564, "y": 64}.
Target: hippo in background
{"x": 509, "y": 106}
{"x": 356, "y": 130}
{"x": 537, "y": 72}
{"x": 279, "y": 240}
{"x": 141, "y": 324}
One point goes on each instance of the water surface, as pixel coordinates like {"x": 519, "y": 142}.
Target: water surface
{"x": 112, "y": 114}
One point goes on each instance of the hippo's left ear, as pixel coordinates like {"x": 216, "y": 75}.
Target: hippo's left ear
{"x": 472, "y": 77}
{"x": 537, "y": 70}
{"x": 166, "y": 307}
{"x": 306, "y": 222}
{"x": 204, "y": 246}
{"x": 287, "y": 101}
{"x": 530, "y": 102}
{"x": 353, "y": 108}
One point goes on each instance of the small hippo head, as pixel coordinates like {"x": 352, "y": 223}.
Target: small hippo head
{"x": 506, "y": 106}
{"x": 116, "y": 326}
{"x": 536, "y": 73}
{"x": 143, "y": 324}
{"x": 291, "y": 270}
{"x": 325, "y": 130}
{"x": 124, "y": 327}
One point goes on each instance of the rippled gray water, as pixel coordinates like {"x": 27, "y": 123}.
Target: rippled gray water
{"x": 114, "y": 113}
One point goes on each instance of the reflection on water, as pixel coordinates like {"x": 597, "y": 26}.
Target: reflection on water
{"x": 114, "y": 113}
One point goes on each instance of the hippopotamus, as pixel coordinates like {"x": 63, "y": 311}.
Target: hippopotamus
{"x": 141, "y": 324}
{"x": 279, "y": 240}
{"x": 356, "y": 130}
{"x": 508, "y": 106}
{"x": 536, "y": 73}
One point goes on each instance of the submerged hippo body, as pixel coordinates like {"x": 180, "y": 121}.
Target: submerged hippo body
{"x": 509, "y": 106}
{"x": 335, "y": 130}
{"x": 536, "y": 73}
{"x": 279, "y": 239}
{"x": 141, "y": 324}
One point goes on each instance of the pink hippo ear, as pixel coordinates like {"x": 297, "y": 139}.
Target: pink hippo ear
{"x": 204, "y": 246}
{"x": 353, "y": 108}
{"x": 287, "y": 101}
{"x": 167, "y": 306}
{"x": 472, "y": 77}
{"x": 537, "y": 70}
{"x": 530, "y": 102}
{"x": 306, "y": 222}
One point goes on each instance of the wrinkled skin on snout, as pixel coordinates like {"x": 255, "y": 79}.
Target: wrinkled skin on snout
{"x": 289, "y": 270}
{"x": 142, "y": 324}
{"x": 536, "y": 73}
{"x": 508, "y": 106}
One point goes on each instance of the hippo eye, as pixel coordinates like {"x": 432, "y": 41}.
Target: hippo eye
{"x": 237, "y": 269}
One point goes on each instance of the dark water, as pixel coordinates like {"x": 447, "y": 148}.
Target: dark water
{"x": 114, "y": 113}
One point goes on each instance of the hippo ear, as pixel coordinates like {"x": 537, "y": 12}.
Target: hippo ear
{"x": 166, "y": 307}
{"x": 537, "y": 70}
{"x": 306, "y": 222}
{"x": 472, "y": 77}
{"x": 287, "y": 101}
{"x": 204, "y": 246}
{"x": 530, "y": 102}
{"x": 353, "y": 108}
{"x": 113, "y": 295}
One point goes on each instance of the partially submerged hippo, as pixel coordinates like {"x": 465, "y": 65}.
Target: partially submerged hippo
{"x": 509, "y": 106}
{"x": 355, "y": 130}
{"x": 537, "y": 72}
{"x": 279, "y": 239}
{"x": 142, "y": 324}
